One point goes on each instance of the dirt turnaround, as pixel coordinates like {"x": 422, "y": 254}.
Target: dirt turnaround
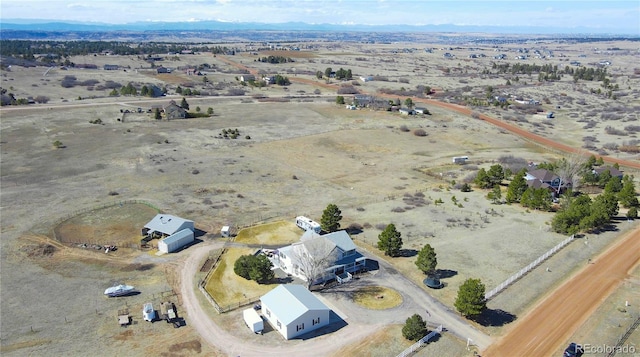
{"x": 546, "y": 328}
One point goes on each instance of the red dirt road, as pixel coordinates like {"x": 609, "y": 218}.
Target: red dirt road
{"x": 546, "y": 328}
{"x": 466, "y": 111}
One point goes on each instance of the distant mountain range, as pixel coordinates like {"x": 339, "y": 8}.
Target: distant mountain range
{"x": 12, "y": 25}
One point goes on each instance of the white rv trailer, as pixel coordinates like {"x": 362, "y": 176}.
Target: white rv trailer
{"x": 460, "y": 159}
{"x": 307, "y": 224}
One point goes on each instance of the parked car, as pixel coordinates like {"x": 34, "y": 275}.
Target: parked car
{"x": 574, "y": 350}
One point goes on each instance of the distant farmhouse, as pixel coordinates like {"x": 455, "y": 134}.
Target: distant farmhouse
{"x": 247, "y": 78}
{"x": 174, "y": 111}
{"x": 541, "y": 178}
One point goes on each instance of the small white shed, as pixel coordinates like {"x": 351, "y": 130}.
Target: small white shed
{"x": 176, "y": 241}
{"x": 225, "y": 231}
{"x": 253, "y": 320}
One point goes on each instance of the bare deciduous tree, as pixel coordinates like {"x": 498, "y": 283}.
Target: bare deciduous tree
{"x": 569, "y": 169}
{"x": 313, "y": 257}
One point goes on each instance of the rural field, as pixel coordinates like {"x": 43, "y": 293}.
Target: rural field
{"x": 297, "y": 152}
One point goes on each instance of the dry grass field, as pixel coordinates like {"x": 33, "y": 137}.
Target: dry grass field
{"x": 303, "y": 153}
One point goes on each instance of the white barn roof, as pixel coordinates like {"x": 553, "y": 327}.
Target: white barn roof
{"x": 168, "y": 224}
{"x": 176, "y": 237}
{"x": 288, "y": 302}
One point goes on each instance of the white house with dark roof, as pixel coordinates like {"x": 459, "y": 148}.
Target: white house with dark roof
{"x": 344, "y": 258}
{"x": 292, "y": 310}
{"x": 165, "y": 225}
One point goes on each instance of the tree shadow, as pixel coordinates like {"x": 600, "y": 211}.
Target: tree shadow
{"x": 606, "y": 228}
{"x": 407, "y": 253}
{"x": 353, "y": 230}
{"x": 445, "y": 273}
{"x": 282, "y": 280}
{"x": 494, "y": 317}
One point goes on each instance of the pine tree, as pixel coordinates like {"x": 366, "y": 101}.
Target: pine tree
{"x": 427, "y": 260}
{"x": 414, "y": 328}
{"x": 627, "y": 194}
{"x": 495, "y": 195}
{"x": 516, "y": 188}
{"x": 390, "y": 241}
{"x": 470, "y": 300}
{"x": 183, "y": 104}
{"x": 331, "y": 217}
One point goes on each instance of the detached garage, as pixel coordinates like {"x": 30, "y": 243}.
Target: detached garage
{"x": 176, "y": 241}
{"x": 293, "y": 310}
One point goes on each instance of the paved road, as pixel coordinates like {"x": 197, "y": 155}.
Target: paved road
{"x": 547, "y": 327}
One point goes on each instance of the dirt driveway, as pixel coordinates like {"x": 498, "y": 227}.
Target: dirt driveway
{"x": 415, "y": 300}
{"x": 545, "y": 329}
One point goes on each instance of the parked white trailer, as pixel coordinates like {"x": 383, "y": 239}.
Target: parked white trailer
{"x": 253, "y": 320}
{"x": 308, "y": 224}
{"x": 460, "y": 159}
{"x": 225, "y": 231}
{"x": 176, "y": 241}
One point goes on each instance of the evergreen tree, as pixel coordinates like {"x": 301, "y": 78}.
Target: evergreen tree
{"x": 482, "y": 179}
{"x": 340, "y": 100}
{"x": 242, "y": 266}
{"x": 390, "y": 241}
{"x": 427, "y": 260}
{"x": 496, "y": 175}
{"x": 627, "y": 194}
{"x": 517, "y": 187}
{"x": 614, "y": 185}
{"x": 470, "y": 300}
{"x": 331, "y": 217}
{"x": 495, "y": 195}
{"x": 254, "y": 267}
{"x": 157, "y": 114}
{"x": 183, "y": 104}
{"x": 414, "y": 328}
{"x": 260, "y": 270}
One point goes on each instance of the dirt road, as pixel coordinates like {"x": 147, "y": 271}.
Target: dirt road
{"x": 546, "y": 328}
{"x": 234, "y": 346}
{"x": 353, "y": 332}
{"x": 526, "y": 134}
{"x": 467, "y": 111}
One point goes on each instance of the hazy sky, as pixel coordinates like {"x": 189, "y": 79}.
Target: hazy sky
{"x": 601, "y": 16}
